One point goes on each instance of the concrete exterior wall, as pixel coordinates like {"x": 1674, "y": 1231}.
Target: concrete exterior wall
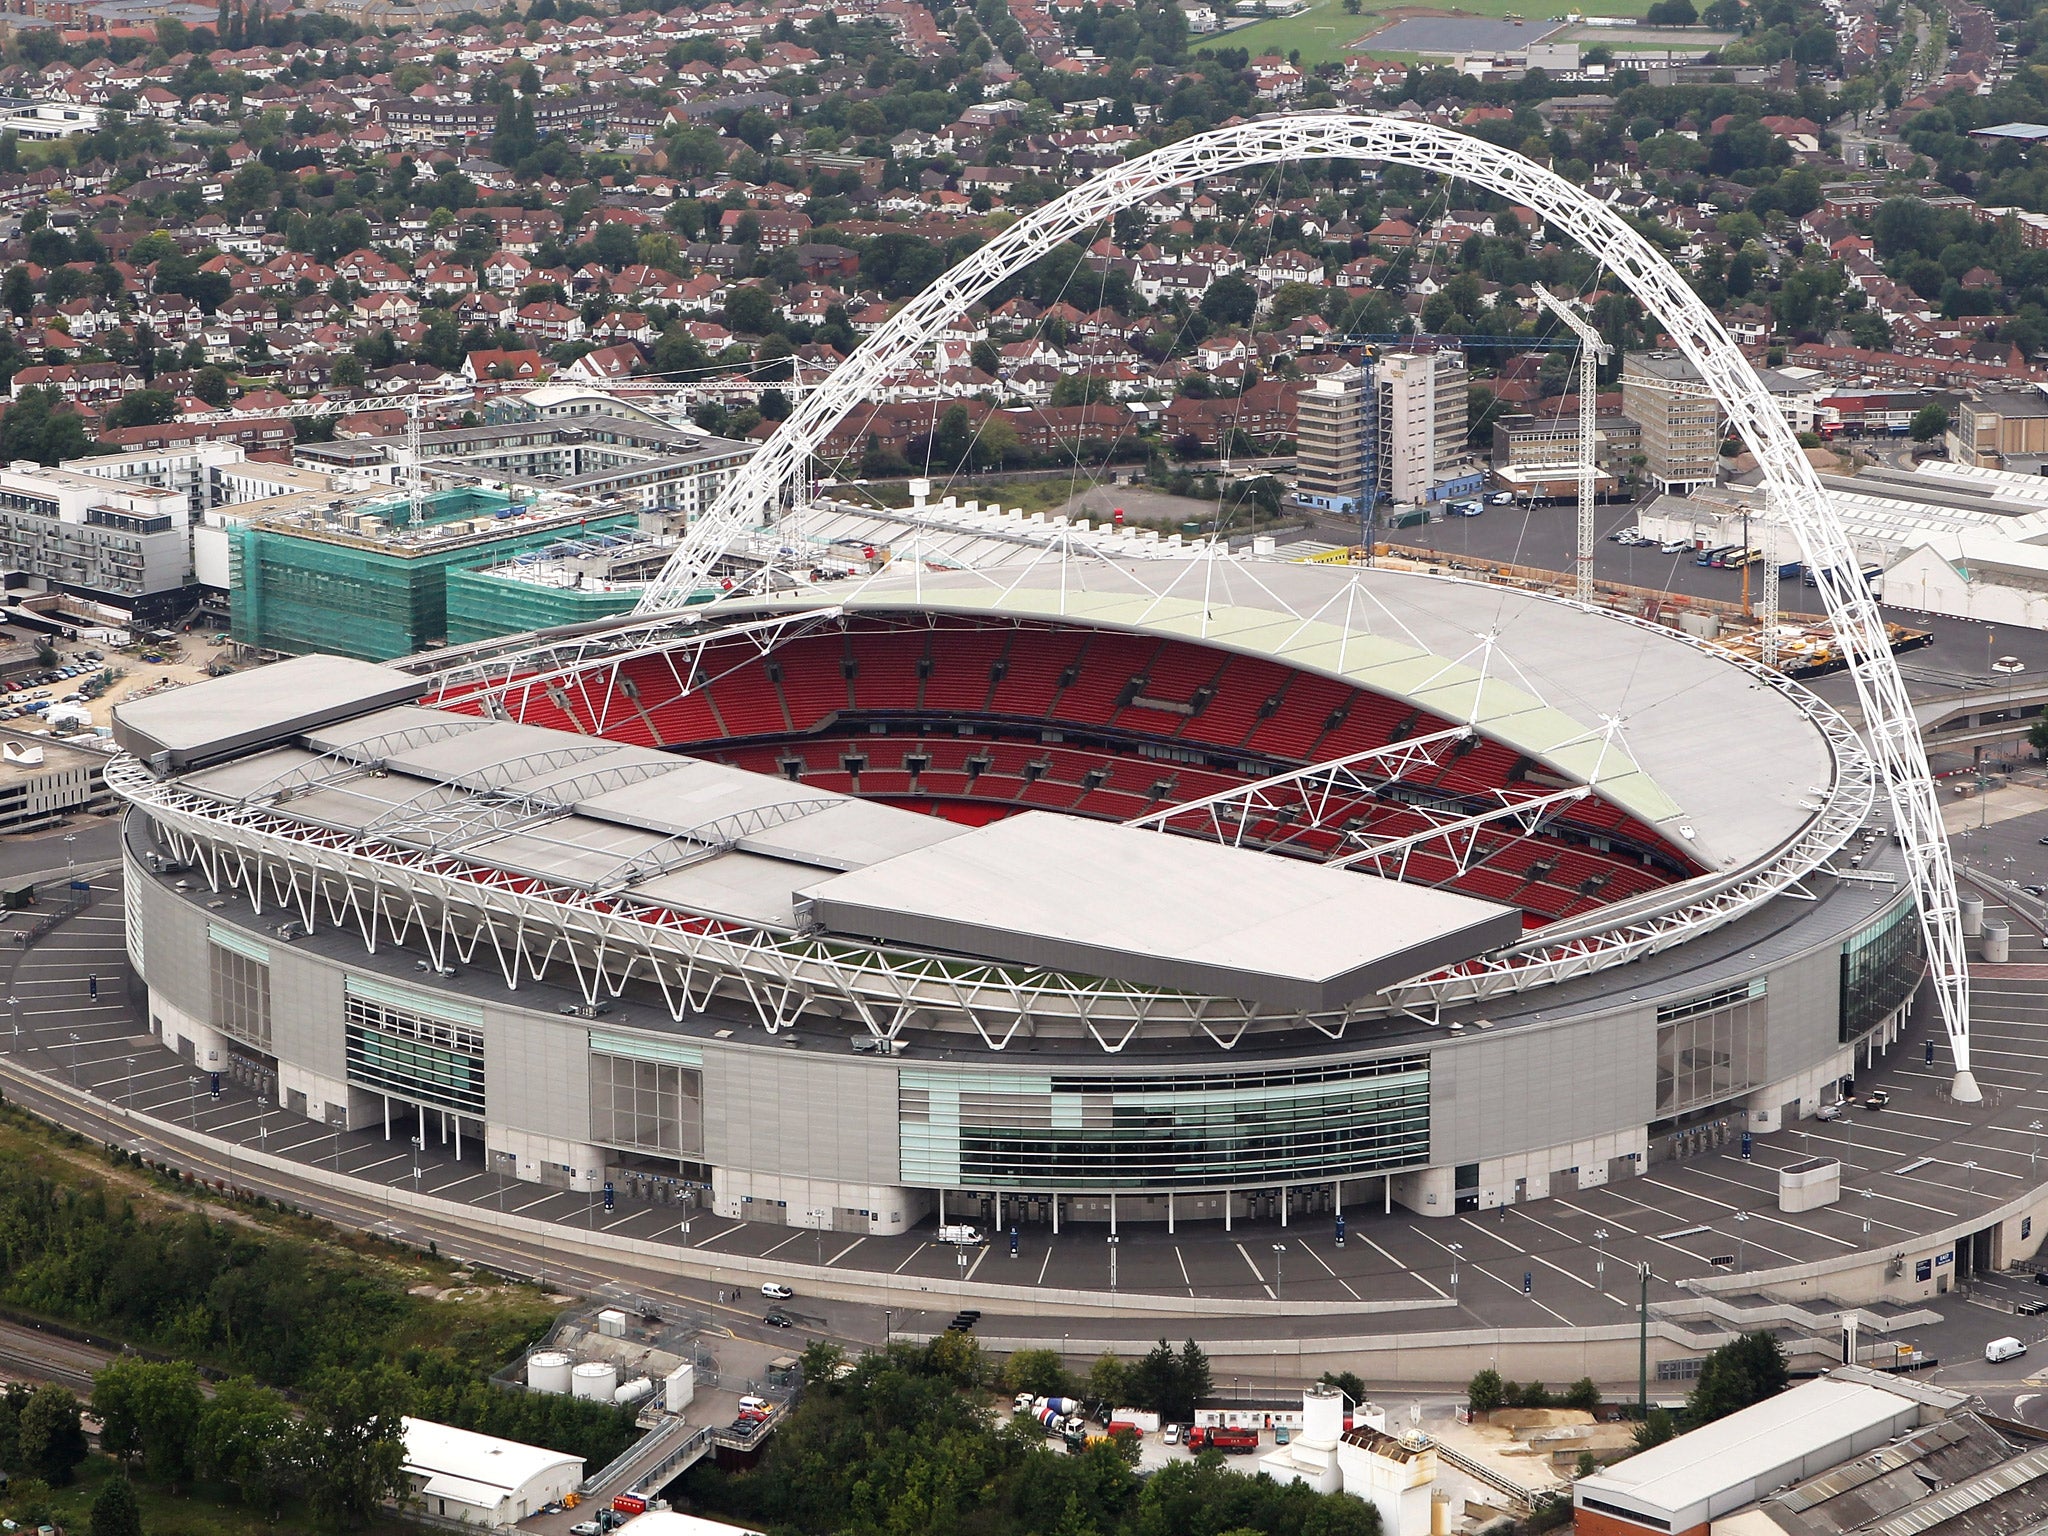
{"x": 797, "y": 1136}
{"x": 1540, "y": 1087}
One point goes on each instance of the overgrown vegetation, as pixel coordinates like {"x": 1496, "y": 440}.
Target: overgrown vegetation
{"x": 285, "y": 1302}
{"x": 905, "y": 1443}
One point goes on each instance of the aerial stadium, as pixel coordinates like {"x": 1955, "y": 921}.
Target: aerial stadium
{"x": 1064, "y": 886}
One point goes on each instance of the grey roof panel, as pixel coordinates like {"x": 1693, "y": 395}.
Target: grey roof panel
{"x": 236, "y": 714}
{"x": 1160, "y": 910}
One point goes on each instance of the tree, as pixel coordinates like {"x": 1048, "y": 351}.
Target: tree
{"x": 749, "y": 311}
{"x": 1040, "y": 1372}
{"x": 52, "y": 1441}
{"x": 2037, "y": 736}
{"x": 151, "y": 1408}
{"x": 352, "y": 1442}
{"x": 1672, "y": 13}
{"x": 40, "y": 425}
{"x": 143, "y": 408}
{"x": 1929, "y": 422}
{"x": 1108, "y": 1381}
{"x": 1658, "y": 1427}
{"x": 821, "y": 1361}
{"x": 211, "y": 385}
{"x": 17, "y": 292}
{"x": 1734, "y": 1376}
{"x": 1230, "y": 301}
{"x": 245, "y": 1439}
{"x": 115, "y": 1512}
{"x": 1484, "y": 1392}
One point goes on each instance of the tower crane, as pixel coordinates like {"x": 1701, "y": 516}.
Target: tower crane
{"x": 1593, "y": 351}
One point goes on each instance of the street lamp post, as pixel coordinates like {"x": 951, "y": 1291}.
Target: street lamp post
{"x": 1456, "y": 1249}
{"x": 192, "y": 1100}
{"x": 1278, "y": 1250}
{"x": 1643, "y": 1347}
{"x": 128, "y": 1093}
{"x": 1114, "y": 1240}
{"x": 2033, "y": 1144}
{"x": 1741, "y": 1238}
{"x": 1600, "y": 1260}
{"x": 74, "y": 1060}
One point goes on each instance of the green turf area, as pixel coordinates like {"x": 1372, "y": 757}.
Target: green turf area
{"x": 1325, "y": 33}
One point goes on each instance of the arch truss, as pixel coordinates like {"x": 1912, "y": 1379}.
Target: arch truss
{"x": 778, "y": 471}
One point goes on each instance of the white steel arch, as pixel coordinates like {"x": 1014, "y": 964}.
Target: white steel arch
{"x": 778, "y": 470}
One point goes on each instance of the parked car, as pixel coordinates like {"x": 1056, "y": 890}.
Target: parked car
{"x": 1171, "y": 1434}
{"x": 586, "y": 1528}
{"x": 775, "y": 1290}
{"x": 778, "y": 1320}
{"x": 1877, "y": 1099}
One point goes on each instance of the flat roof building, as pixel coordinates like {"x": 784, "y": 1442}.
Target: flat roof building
{"x": 1682, "y": 1487}
{"x": 1681, "y": 431}
{"x": 2000, "y": 424}
{"x": 458, "y": 1474}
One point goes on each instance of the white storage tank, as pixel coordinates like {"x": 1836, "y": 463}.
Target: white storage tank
{"x": 634, "y": 1391}
{"x": 548, "y": 1371}
{"x": 611, "y": 1324}
{"x": 595, "y": 1381}
{"x": 1322, "y": 1416}
{"x": 1997, "y": 942}
{"x": 1973, "y": 916}
{"x": 679, "y": 1387}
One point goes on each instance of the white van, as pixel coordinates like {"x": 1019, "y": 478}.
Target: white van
{"x": 2004, "y": 1349}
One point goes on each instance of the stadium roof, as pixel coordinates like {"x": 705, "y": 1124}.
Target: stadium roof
{"x": 231, "y": 714}
{"x": 1094, "y": 898}
{"x": 605, "y": 820}
{"x": 1625, "y": 707}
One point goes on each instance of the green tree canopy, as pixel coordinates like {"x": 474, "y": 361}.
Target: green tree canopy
{"x": 152, "y": 1409}
{"x": 51, "y": 1440}
{"x": 40, "y": 425}
{"x": 1231, "y": 300}
{"x": 114, "y": 1510}
{"x": 353, "y": 1440}
{"x": 1734, "y": 1376}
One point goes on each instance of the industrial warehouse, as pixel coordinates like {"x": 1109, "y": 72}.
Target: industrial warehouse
{"x": 1069, "y": 889}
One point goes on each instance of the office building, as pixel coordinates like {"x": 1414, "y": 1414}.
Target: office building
{"x": 1337, "y": 442}
{"x": 1423, "y": 456}
{"x": 1663, "y": 394}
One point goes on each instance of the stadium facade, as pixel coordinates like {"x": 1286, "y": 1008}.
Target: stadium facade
{"x": 1069, "y": 889}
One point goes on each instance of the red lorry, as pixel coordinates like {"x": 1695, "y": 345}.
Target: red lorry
{"x": 1232, "y": 1442}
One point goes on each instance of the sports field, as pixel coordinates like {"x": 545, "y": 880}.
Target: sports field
{"x": 1325, "y": 33}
